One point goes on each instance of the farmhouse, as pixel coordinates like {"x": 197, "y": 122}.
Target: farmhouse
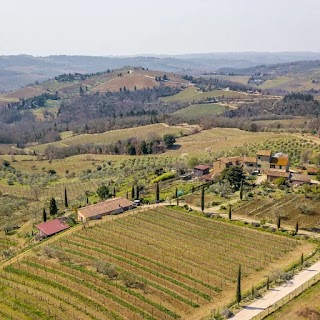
{"x": 201, "y": 170}
{"x": 51, "y": 227}
{"x": 110, "y": 206}
{"x": 300, "y": 179}
{"x": 264, "y": 161}
{"x": 275, "y": 174}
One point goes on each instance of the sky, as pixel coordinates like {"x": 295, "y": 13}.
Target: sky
{"x": 135, "y": 27}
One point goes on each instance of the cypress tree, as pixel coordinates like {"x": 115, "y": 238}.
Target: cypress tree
{"x": 65, "y": 198}
{"x": 132, "y": 192}
{"x": 202, "y": 198}
{"x": 177, "y": 197}
{"x": 44, "y": 215}
{"x": 127, "y": 194}
{"x": 238, "y": 293}
{"x": 230, "y": 212}
{"x": 137, "y": 192}
{"x": 297, "y": 228}
{"x": 252, "y": 292}
{"x": 157, "y": 192}
{"x": 301, "y": 260}
{"x": 87, "y": 200}
{"x": 241, "y": 190}
{"x": 279, "y": 222}
{"x": 268, "y": 283}
{"x": 114, "y": 191}
{"x": 53, "y": 207}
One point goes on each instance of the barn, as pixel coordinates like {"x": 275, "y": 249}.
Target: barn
{"x": 51, "y": 227}
{"x": 108, "y": 207}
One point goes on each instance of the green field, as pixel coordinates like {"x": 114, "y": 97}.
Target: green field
{"x": 159, "y": 264}
{"x": 197, "y": 111}
{"x": 109, "y": 137}
{"x": 192, "y": 94}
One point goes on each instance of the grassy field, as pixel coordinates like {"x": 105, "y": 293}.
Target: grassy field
{"x": 129, "y": 81}
{"x": 306, "y": 306}
{"x": 192, "y": 95}
{"x": 197, "y": 111}
{"x": 219, "y": 141}
{"x": 159, "y": 264}
{"x": 115, "y": 135}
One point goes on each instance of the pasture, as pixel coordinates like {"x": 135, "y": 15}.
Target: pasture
{"x": 193, "y": 95}
{"x": 158, "y": 264}
{"x": 198, "y": 111}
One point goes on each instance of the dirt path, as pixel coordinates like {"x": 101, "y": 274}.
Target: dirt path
{"x": 275, "y": 295}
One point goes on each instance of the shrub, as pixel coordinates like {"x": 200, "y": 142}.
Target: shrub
{"x": 108, "y": 269}
{"x": 164, "y": 176}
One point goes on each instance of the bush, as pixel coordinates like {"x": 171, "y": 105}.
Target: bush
{"x": 107, "y": 269}
{"x": 131, "y": 281}
{"x": 164, "y": 176}
{"x": 227, "y": 313}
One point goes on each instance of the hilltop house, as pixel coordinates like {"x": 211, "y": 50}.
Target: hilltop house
{"x": 108, "y": 207}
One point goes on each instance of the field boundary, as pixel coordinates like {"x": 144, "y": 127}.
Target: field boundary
{"x": 276, "y": 306}
{"x": 270, "y": 303}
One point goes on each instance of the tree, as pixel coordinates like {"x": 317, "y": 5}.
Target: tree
{"x": 114, "y": 191}
{"x": 132, "y": 192}
{"x": 169, "y": 140}
{"x": 177, "y": 197}
{"x": 279, "y": 222}
{"x": 297, "y": 228}
{"x": 230, "y": 212}
{"x": 53, "y": 209}
{"x": 241, "y": 190}
{"x": 137, "y": 192}
{"x": 103, "y": 192}
{"x": 238, "y": 293}
{"x": 202, "y": 198}
{"x": 268, "y": 283}
{"x": 44, "y": 215}
{"x": 65, "y": 198}
{"x": 301, "y": 260}
{"x": 81, "y": 91}
{"x": 157, "y": 192}
{"x": 234, "y": 175}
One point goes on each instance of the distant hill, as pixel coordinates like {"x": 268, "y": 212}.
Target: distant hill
{"x": 279, "y": 69}
{"x": 21, "y": 70}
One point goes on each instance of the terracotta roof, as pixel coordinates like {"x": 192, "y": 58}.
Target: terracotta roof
{"x": 264, "y": 153}
{"x": 201, "y": 167}
{"x": 230, "y": 159}
{"x": 300, "y": 177}
{"x": 104, "y": 207}
{"x": 278, "y": 174}
{"x": 313, "y": 170}
{"x": 51, "y": 227}
{"x": 249, "y": 159}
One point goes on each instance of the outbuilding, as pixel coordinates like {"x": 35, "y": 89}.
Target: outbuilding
{"x": 201, "y": 170}
{"x": 51, "y": 227}
{"x": 108, "y": 207}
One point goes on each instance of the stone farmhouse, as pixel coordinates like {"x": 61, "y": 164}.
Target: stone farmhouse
{"x": 108, "y": 207}
{"x": 263, "y": 162}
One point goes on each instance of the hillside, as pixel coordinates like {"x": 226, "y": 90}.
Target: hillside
{"x": 21, "y": 70}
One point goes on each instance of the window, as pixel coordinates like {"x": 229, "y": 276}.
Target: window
{"x": 280, "y": 167}
{"x": 272, "y": 166}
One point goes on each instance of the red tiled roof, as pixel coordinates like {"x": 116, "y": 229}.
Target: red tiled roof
{"x": 249, "y": 159}
{"x": 313, "y": 170}
{"x": 51, "y": 227}
{"x": 201, "y": 167}
{"x": 105, "y": 207}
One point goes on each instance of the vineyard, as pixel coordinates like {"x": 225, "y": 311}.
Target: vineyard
{"x": 158, "y": 264}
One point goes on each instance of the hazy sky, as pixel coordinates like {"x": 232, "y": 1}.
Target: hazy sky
{"x": 127, "y": 27}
